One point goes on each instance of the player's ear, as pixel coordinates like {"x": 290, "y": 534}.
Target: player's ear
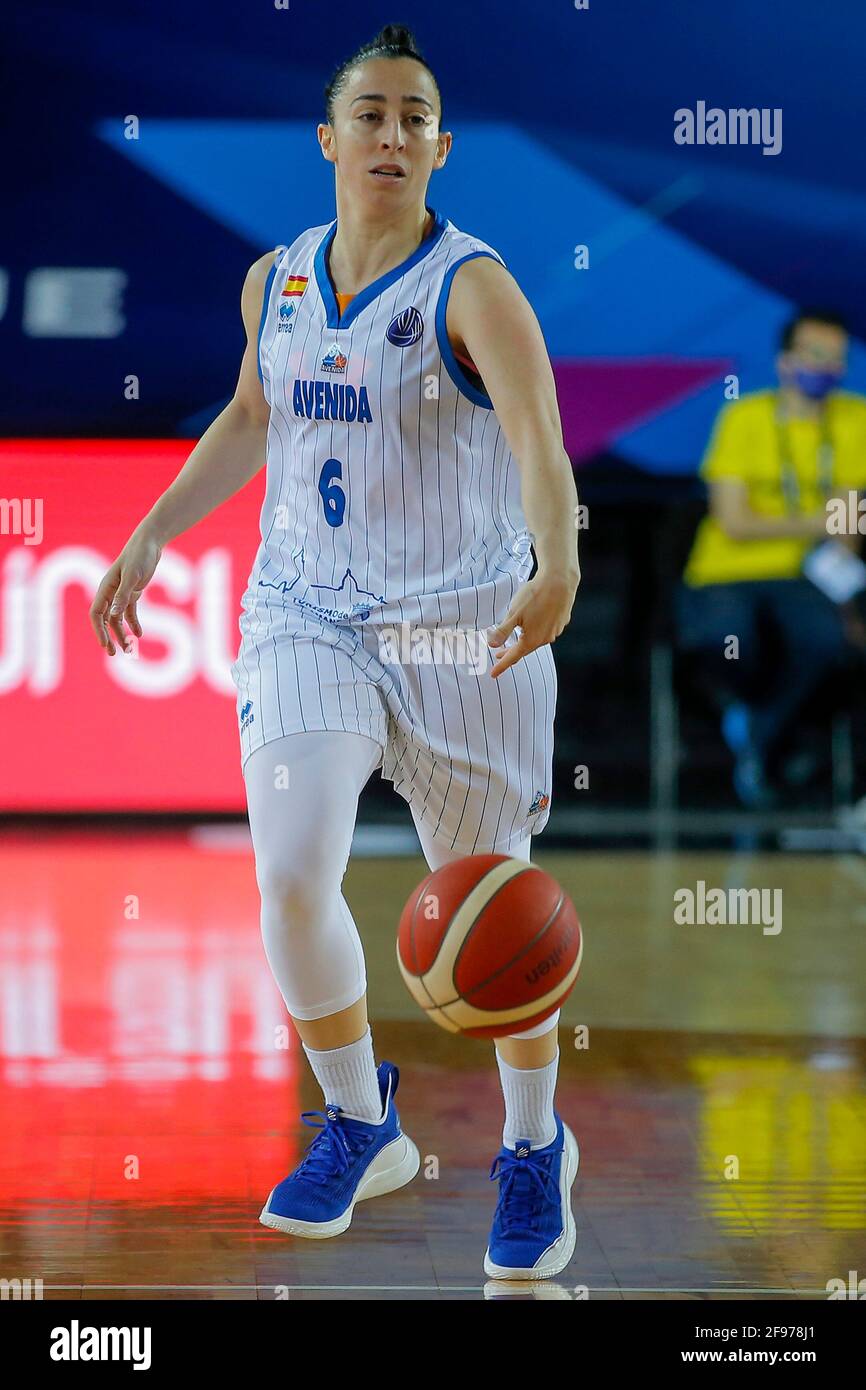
{"x": 443, "y": 147}
{"x": 327, "y": 142}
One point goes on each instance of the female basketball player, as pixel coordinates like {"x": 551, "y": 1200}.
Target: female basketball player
{"x": 396, "y": 382}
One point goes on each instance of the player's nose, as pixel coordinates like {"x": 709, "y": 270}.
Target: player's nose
{"x": 393, "y": 136}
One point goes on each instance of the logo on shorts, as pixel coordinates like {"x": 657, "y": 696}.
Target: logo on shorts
{"x": 540, "y": 802}
{"x": 335, "y": 360}
{"x": 406, "y": 328}
{"x": 247, "y": 715}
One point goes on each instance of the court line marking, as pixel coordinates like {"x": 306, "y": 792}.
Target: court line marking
{"x": 436, "y": 1288}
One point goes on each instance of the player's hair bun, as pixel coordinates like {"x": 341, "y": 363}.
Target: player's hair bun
{"x": 392, "y": 41}
{"x": 397, "y": 36}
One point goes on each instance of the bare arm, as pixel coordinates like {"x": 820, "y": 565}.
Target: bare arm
{"x": 489, "y": 315}
{"x": 228, "y": 455}
{"x": 232, "y": 449}
{"x": 729, "y": 506}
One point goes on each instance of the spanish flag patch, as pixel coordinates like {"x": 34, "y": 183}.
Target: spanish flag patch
{"x": 296, "y": 284}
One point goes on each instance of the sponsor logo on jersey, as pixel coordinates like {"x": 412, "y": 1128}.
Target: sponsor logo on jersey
{"x": 295, "y": 285}
{"x": 334, "y": 615}
{"x": 331, "y": 400}
{"x": 347, "y": 586}
{"x": 540, "y": 802}
{"x": 247, "y": 716}
{"x": 334, "y": 361}
{"x": 287, "y": 311}
{"x": 406, "y": 328}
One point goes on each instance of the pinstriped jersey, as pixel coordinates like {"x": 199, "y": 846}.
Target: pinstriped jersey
{"x": 390, "y": 492}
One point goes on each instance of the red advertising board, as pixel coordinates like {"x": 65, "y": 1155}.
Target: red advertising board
{"x": 83, "y": 731}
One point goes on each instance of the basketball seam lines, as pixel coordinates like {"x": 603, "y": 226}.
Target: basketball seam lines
{"x": 475, "y": 988}
{"x": 522, "y": 952}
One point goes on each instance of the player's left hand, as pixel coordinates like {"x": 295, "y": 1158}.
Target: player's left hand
{"x": 540, "y": 610}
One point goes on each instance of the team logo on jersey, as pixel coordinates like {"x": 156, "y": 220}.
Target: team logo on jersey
{"x": 334, "y": 361}
{"x": 406, "y": 328}
{"x": 295, "y": 285}
{"x": 247, "y": 716}
{"x": 285, "y": 324}
{"x": 540, "y": 802}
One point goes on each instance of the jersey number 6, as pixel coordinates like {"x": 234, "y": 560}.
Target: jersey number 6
{"x": 333, "y": 497}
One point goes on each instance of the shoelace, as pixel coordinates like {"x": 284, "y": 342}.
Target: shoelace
{"x": 523, "y": 1183}
{"x": 333, "y": 1148}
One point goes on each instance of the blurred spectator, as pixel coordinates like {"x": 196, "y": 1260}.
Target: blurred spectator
{"x": 774, "y": 460}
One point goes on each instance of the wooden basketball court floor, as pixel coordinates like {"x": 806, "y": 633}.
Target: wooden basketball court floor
{"x": 148, "y": 1108}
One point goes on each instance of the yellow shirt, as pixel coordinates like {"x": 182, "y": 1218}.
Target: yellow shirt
{"x": 745, "y": 445}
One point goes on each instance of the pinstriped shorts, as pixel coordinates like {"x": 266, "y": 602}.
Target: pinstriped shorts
{"x": 473, "y": 756}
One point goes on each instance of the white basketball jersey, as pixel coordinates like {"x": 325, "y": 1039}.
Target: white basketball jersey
{"x": 391, "y": 492}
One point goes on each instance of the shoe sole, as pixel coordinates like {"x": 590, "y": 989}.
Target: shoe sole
{"x": 557, "y": 1255}
{"x": 394, "y": 1166}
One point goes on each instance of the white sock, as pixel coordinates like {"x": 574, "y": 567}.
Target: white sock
{"x": 347, "y": 1076}
{"x": 528, "y": 1103}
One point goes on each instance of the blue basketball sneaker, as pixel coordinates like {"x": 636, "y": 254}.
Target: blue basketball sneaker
{"x": 348, "y": 1161}
{"x": 533, "y": 1232}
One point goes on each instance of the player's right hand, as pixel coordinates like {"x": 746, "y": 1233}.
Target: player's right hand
{"x": 121, "y": 588}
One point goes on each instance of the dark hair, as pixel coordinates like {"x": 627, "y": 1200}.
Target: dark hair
{"x": 392, "y": 41}
{"x": 828, "y": 316}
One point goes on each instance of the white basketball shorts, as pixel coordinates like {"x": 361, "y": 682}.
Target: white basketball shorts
{"x": 473, "y": 756}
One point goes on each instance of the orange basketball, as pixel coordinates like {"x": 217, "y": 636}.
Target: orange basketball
{"x": 489, "y": 945}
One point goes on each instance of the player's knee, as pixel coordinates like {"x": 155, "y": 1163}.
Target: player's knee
{"x": 546, "y": 1026}
{"x": 295, "y": 892}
